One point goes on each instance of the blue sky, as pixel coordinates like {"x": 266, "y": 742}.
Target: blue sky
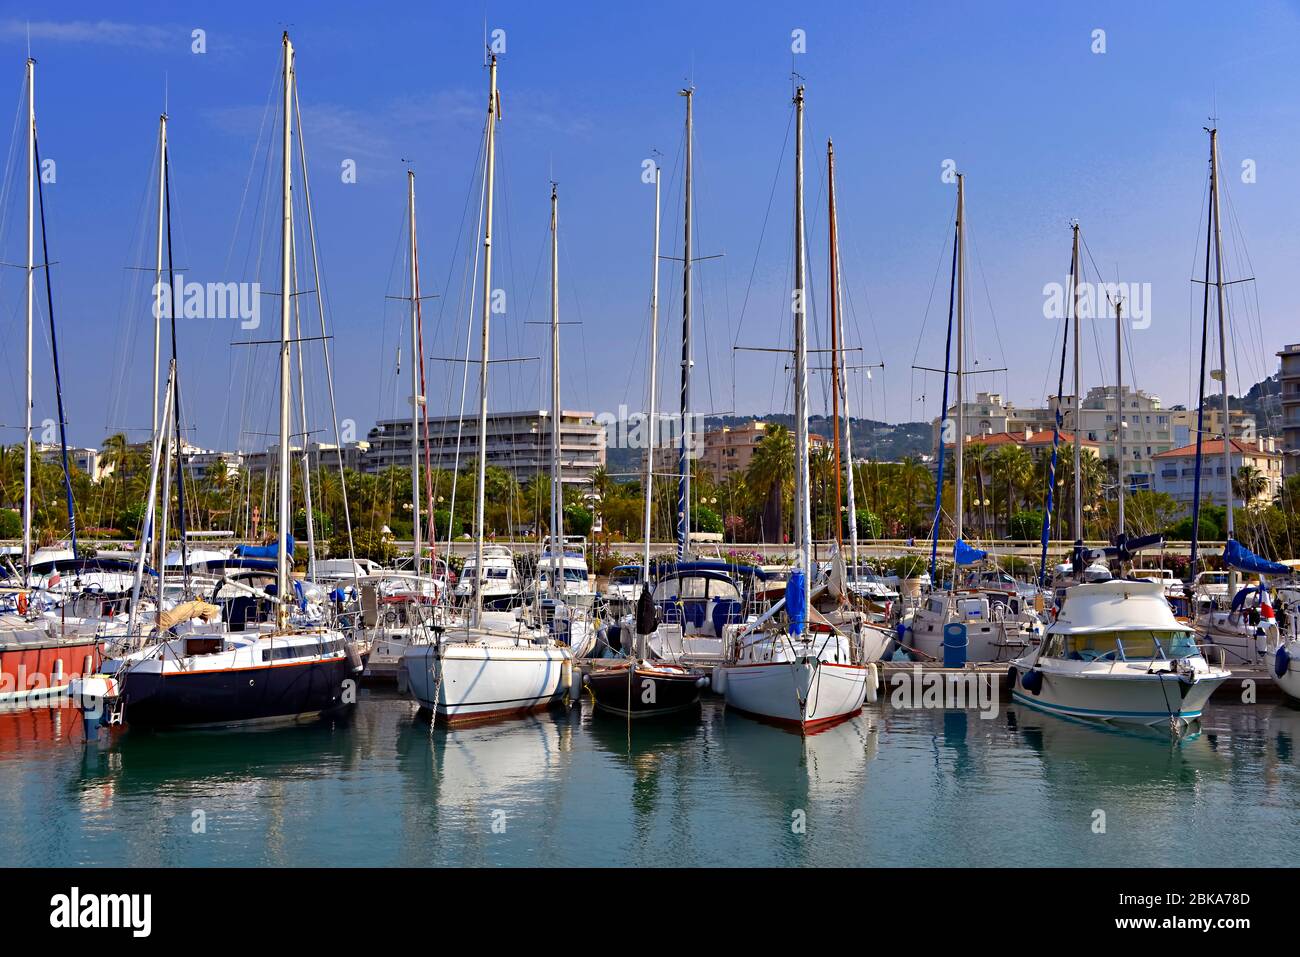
{"x": 1044, "y": 128}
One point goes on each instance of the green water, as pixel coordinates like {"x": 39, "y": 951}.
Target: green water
{"x": 572, "y": 788}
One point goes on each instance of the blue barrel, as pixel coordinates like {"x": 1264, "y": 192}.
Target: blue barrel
{"x": 954, "y": 645}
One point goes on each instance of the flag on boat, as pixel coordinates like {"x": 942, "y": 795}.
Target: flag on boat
{"x": 1237, "y": 555}
{"x": 964, "y": 554}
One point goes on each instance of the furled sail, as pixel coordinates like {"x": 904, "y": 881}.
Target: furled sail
{"x": 964, "y": 554}
{"x": 1237, "y": 555}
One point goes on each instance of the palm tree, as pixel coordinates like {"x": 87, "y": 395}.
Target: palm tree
{"x": 1249, "y": 484}
{"x": 1013, "y": 471}
{"x": 771, "y": 472}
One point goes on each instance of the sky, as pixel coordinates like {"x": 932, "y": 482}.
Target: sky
{"x": 1048, "y": 119}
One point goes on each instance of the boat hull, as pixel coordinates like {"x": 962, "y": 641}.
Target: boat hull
{"x": 652, "y": 692}
{"x": 1289, "y": 680}
{"x": 466, "y": 683}
{"x": 35, "y": 670}
{"x": 298, "y": 691}
{"x": 987, "y": 641}
{"x": 806, "y": 694}
{"x": 1133, "y": 699}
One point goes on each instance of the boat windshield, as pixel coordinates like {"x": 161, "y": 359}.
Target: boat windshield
{"x": 1137, "y": 645}
{"x": 625, "y": 576}
{"x": 568, "y": 574}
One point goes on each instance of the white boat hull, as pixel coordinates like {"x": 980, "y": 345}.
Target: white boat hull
{"x": 461, "y": 682}
{"x": 1289, "y": 680}
{"x": 806, "y": 693}
{"x": 985, "y": 641}
{"x": 1122, "y": 698}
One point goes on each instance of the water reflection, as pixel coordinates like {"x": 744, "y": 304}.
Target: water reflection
{"x": 891, "y": 787}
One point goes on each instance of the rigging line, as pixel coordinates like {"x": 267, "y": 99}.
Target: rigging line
{"x": 469, "y": 336}
{"x": 54, "y": 352}
{"x": 325, "y": 343}
{"x": 763, "y": 230}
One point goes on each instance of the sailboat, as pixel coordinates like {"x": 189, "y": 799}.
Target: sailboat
{"x": 638, "y": 686}
{"x": 995, "y": 623}
{"x": 791, "y": 667}
{"x": 198, "y": 672}
{"x": 39, "y": 656}
{"x": 1246, "y": 629}
{"x": 406, "y": 605}
{"x": 494, "y": 664}
{"x": 840, "y": 599}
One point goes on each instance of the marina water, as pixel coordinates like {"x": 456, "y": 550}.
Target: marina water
{"x": 891, "y": 787}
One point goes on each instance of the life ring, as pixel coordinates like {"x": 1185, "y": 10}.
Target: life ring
{"x": 22, "y": 603}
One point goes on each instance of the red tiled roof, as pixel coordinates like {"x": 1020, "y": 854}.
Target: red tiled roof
{"x": 1215, "y": 447}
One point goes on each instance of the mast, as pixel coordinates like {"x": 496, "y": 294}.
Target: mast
{"x": 493, "y": 117}
{"x": 837, "y": 368}
{"x": 31, "y": 271}
{"x": 157, "y": 308}
{"x": 650, "y": 401}
{"x": 833, "y": 292}
{"x": 417, "y": 400}
{"x": 1078, "y": 405}
{"x": 1223, "y": 331}
{"x": 1119, "y": 404}
{"x": 557, "y": 519}
{"x": 1200, "y": 380}
{"x": 960, "y": 440}
{"x": 286, "y": 280}
{"x": 684, "y": 460}
{"x": 802, "y": 510}
{"x": 158, "y": 261}
{"x": 146, "y": 529}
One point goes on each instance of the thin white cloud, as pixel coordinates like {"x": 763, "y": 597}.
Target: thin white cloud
{"x": 102, "y": 32}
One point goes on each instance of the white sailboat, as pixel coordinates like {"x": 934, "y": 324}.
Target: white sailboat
{"x": 791, "y": 667}
{"x": 488, "y": 667}
{"x": 1237, "y": 619}
{"x": 998, "y": 624}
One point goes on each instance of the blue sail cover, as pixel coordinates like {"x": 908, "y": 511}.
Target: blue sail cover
{"x": 264, "y": 551}
{"x": 964, "y": 554}
{"x": 1237, "y": 555}
{"x": 796, "y": 601}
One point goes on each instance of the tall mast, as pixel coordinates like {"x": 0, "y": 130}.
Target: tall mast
{"x": 158, "y": 262}
{"x": 1119, "y": 407}
{"x": 837, "y": 370}
{"x": 650, "y": 401}
{"x": 833, "y": 293}
{"x": 493, "y": 116}
{"x": 683, "y": 460}
{"x": 31, "y": 272}
{"x": 1078, "y": 388}
{"x": 417, "y": 400}
{"x": 286, "y": 280}
{"x": 802, "y": 510}
{"x": 158, "y": 301}
{"x": 960, "y": 440}
{"x": 557, "y": 520}
{"x": 1223, "y": 330}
